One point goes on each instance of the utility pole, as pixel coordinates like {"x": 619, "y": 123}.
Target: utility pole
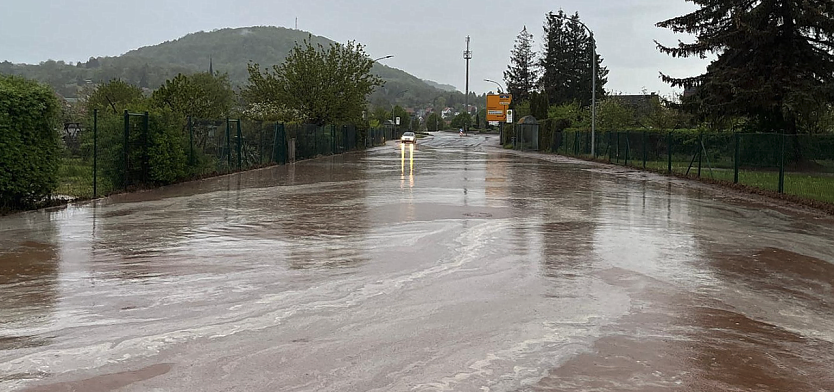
{"x": 467, "y": 55}
{"x": 593, "y": 94}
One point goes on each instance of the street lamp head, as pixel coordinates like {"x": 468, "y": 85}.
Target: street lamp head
{"x": 500, "y": 90}
{"x": 383, "y": 58}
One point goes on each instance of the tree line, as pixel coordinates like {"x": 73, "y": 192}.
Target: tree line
{"x": 773, "y": 71}
{"x": 315, "y": 85}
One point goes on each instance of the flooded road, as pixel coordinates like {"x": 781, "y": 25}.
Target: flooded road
{"x": 452, "y": 266}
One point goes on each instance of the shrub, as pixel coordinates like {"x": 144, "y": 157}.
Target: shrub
{"x": 29, "y": 149}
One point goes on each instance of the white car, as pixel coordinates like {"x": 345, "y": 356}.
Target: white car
{"x": 408, "y": 137}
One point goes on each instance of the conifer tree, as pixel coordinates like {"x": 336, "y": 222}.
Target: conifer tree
{"x": 775, "y": 59}
{"x": 521, "y": 75}
{"x": 566, "y": 63}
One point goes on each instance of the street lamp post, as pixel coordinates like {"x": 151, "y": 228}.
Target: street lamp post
{"x": 500, "y": 125}
{"x": 500, "y": 90}
{"x": 593, "y": 92}
{"x": 467, "y": 55}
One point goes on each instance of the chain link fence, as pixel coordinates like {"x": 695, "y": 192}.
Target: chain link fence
{"x": 112, "y": 153}
{"x": 799, "y": 165}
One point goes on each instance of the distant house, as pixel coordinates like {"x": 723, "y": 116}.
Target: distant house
{"x": 446, "y": 113}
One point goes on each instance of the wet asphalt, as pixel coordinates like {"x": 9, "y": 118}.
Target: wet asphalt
{"x": 450, "y": 266}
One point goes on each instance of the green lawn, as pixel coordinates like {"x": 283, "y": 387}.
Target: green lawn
{"x": 75, "y": 178}
{"x": 816, "y": 185}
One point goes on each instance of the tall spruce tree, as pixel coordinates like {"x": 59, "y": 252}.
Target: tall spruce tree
{"x": 566, "y": 66}
{"x": 775, "y": 61}
{"x": 521, "y": 75}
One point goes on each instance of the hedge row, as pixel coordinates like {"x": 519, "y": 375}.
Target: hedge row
{"x": 29, "y": 149}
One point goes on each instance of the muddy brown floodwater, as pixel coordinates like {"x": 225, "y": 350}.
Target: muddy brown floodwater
{"x": 452, "y": 266}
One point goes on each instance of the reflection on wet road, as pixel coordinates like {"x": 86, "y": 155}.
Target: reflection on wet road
{"x": 451, "y": 265}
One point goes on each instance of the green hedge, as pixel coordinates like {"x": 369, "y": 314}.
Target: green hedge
{"x": 29, "y": 149}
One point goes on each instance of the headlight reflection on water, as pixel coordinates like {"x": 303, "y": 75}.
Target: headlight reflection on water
{"x": 410, "y": 163}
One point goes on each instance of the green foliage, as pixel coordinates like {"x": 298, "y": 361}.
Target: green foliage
{"x": 566, "y": 62}
{"x": 29, "y": 115}
{"x": 462, "y": 120}
{"x": 775, "y": 64}
{"x": 200, "y": 95}
{"x": 402, "y": 114}
{"x": 480, "y": 119}
{"x": 521, "y": 76}
{"x": 415, "y": 125}
{"x": 575, "y": 115}
{"x": 155, "y": 157}
{"x": 315, "y": 85}
{"x": 115, "y": 97}
{"x": 434, "y": 122}
{"x": 539, "y": 105}
{"x": 522, "y": 109}
{"x": 230, "y": 50}
{"x": 612, "y": 115}
{"x": 665, "y": 115}
{"x": 166, "y": 153}
{"x": 379, "y": 115}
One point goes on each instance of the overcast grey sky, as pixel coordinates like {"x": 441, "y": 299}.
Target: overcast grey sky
{"x": 425, "y": 37}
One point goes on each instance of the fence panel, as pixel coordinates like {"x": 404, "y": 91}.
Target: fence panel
{"x": 121, "y": 151}
{"x": 209, "y": 147}
{"x": 759, "y": 158}
{"x": 258, "y": 143}
{"x": 76, "y": 167}
{"x": 809, "y": 166}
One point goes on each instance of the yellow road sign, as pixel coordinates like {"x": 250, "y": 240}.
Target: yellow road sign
{"x": 497, "y": 105}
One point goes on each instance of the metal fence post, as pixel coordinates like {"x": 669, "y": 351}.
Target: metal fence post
{"x": 735, "y": 158}
{"x": 782, "y": 165}
{"x": 228, "y": 146}
{"x": 576, "y": 143}
{"x": 333, "y": 145}
{"x": 190, "y": 141}
{"x": 644, "y": 150}
{"x": 275, "y": 145}
{"x": 146, "y": 156}
{"x": 610, "y": 143}
{"x": 282, "y": 139}
{"x": 260, "y": 144}
{"x": 126, "y": 147}
{"x": 669, "y": 151}
{"x": 239, "y": 146}
{"x": 595, "y": 147}
{"x": 95, "y": 153}
{"x": 628, "y": 147}
{"x": 700, "y": 152}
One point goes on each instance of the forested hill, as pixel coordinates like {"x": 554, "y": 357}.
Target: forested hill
{"x": 228, "y": 50}
{"x": 444, "y": 87}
